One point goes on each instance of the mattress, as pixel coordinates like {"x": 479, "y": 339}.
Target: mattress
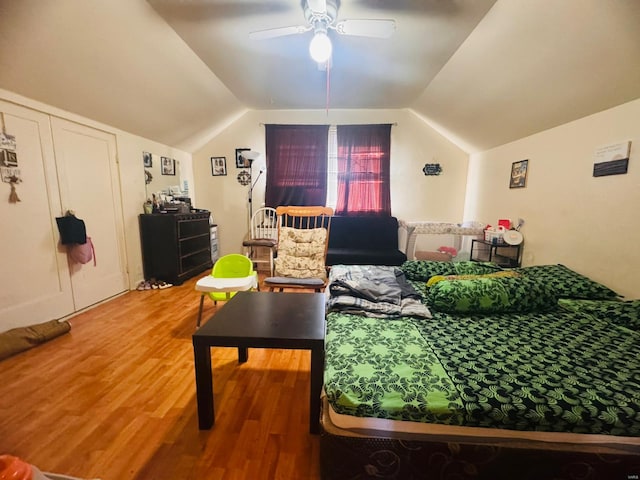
{"x": 529, "y": 395}
{"x": 366, "y": 427}
{"x": 557, "y": 371}
{"x": 365, "y": 448}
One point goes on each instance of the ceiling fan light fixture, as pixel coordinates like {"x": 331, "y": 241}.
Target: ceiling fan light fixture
{"x": 320, "y": 47}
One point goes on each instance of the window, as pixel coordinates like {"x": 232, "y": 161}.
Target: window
{"x": 296, "y": 165}
{"x": 344, "y": 167}
{"x": 363, "y": 181}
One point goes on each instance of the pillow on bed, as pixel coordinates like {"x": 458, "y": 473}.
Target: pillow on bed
{"x": 625, "y": 314}
{"x": 423, "y": 270}
{"x": 568, "y": 284}
{"x": 476, "y": 268}
{"x": 504, "y": 273}
{"x": 491, "y": 295}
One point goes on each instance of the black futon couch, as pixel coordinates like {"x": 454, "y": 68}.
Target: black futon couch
{"x": 364, "y": 240}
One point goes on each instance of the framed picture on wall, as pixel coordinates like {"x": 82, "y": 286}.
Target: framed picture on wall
{"x": 168, "y": 166}
{"x": 218, "y": 166}
{"x": 242, "y": 162}
{"x": 519, "y": 174}
{"x": 8, "y": 159}
{"x": 147, "y": 159}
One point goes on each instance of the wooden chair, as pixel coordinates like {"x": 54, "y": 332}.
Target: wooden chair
{"x": 263, "y": 234}
{"x": 303, "y": 236}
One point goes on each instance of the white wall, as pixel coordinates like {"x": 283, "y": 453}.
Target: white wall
{"x": 131, "y": 170}
{"x": 134, "y": 193}
{"x": 587, "y": 223}
{"x": 413, "y": 143}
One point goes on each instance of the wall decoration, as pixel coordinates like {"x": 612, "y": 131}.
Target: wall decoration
{"x": 242, "y": 162}
{"x": 244, "y": 177}
{"x": 13, "y": 195}
{"x": 8, "y": 159}
{"x": 8, "y": 156}
{"x": 9, "y": 171}
{"x": 12, "y": 177}
{"x": 168, "y": 166}
{"x": 218, "y": 166}
{"x": 147, "y": 159}
{"x": 519, "y": 174}
{"x": 432, "y": 169}
{"x": 8, "y": 174}
{"x": 148, "y": 177}
{"x": 612, "y": 159}
{"x": 7, "y": 142}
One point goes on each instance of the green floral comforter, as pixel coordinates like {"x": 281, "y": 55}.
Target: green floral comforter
{"x": 560, "y": 370}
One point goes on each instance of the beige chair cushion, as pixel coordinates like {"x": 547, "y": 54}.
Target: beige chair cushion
{"x": 301, "y": 253}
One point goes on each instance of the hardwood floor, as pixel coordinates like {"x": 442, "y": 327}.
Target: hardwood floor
{"x": 115, "y": 399}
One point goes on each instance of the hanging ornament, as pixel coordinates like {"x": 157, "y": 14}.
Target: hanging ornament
{"x": 13, "y": 196}
{"x": 432, "y": 169}
{"x": 9, "y": 171}
{"x": 12, "y": 177}
{"x": 244, "y": 177}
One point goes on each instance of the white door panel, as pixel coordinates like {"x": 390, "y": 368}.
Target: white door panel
{"x": 36, "y": 285}
{"x": 89, "y": 186}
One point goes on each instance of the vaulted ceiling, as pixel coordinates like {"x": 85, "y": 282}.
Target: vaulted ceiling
{"x": 482, "y": 72}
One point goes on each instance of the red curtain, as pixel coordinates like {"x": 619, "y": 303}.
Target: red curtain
{"x": 364, "y": 170}
{"x": 296, "y": 164}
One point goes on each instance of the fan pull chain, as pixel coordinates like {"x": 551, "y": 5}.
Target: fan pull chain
{"x": 328, "y": 85}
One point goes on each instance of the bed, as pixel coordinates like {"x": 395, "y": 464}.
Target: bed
{"x": 466, "y": 370}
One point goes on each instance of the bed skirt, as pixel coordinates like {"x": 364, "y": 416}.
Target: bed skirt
{"x": 368, "y": 452}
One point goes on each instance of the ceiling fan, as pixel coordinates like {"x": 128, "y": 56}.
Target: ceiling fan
{"x": 321, "y": 16}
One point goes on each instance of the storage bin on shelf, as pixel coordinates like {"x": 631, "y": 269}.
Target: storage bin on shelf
{"x": 495, "y": 235}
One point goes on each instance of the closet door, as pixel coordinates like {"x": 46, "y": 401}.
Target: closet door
{"x": 89, "y": 186}
{"x": 36, "y": 285}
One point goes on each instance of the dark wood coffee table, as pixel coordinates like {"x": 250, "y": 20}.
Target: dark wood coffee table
{"x": 262, "y": 320}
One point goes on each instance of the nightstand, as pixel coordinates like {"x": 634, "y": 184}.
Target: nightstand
{"x": 503, "y": 255}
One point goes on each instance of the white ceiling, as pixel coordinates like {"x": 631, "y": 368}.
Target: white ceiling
{"x": 365, "y": 73}
{"x": 483, "y": 72}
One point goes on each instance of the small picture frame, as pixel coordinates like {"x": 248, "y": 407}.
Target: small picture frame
{"x": 10, "y": 175}
{"x": 519, "y": 174}
{"x": 168, "y": 166}
{"x": 8, "y": 158}
{"x": 7, "y": 142}
{"x": 147, "y": 159}
{"x": 218, "y": 166}
{"x": 242, "y": 162}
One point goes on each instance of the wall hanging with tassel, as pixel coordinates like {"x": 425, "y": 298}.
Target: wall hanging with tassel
{"x": 9, "y": 171}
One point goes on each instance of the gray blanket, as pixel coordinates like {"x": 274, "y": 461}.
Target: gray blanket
{"x": 375, "y": 291}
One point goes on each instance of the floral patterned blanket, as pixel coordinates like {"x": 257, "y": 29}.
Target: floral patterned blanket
{"x": 563, "y": 370}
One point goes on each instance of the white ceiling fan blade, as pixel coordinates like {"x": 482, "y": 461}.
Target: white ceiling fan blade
{"x": 278, "y": 32}
{"x": 366, "y": 28}
{"x": 318, "y": 6}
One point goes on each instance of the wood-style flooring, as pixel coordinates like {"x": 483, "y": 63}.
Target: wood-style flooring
{"x": 115, "y": 399}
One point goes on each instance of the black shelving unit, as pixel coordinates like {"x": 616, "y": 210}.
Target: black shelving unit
{"x": 501, "y": 254}
{"x": 175, "y": 246}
